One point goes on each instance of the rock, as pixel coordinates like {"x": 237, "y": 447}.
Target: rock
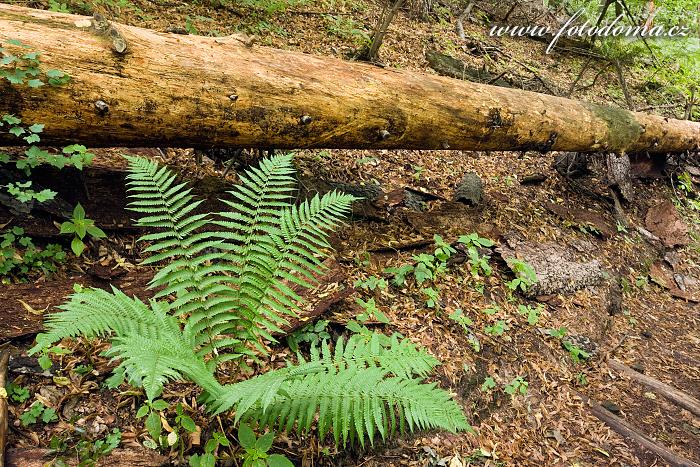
{"x": 470, "y": 190}
{"x": 556, "y": 268}
{"x": 647, "y": 334}
{"x": 663, "y": 221}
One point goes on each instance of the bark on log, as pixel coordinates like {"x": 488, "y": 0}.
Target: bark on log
{"x": 174, "y": 90}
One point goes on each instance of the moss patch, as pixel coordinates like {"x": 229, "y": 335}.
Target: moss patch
{"x": 623, "y": 128}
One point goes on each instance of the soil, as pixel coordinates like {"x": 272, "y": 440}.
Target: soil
{"x": 649, "y": 327}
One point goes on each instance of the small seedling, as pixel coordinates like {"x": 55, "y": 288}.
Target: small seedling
{"x": 532, "y": 313}
{"x": 371, "y": 283}
{"x": 154, "y": 425}
{"x": 488, "y": 385}
{"x": 312, "y": 333}
{"x": 432, "y": 297}
{"x": 256, "y": 449}
{"x": 208, "y": 459}
{"x": 497, "y": 329}
{"x": 371, "y": 310}
{"x": 81, "y": 226}
{"x": 17, "y": 393}
{"x": 518, "y": 385}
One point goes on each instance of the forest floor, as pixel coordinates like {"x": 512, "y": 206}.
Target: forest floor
{"x": 635, "y": 313}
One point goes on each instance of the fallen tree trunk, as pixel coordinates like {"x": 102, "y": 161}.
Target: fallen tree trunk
{"x": 144, "y": 88}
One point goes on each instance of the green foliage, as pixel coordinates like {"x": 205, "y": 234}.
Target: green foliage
{"x": 208, "y": 459}
{"x": 525, "y": 276}
{"x": 226, "y": 291}
{"x": 371, "y": 311}
{"x": 312, "y": 333}
{"x": 371, "y": 283}
{"x": 488, "y": 385}
{"x": 37, "y": 411}
{"x": 256, "y": 449}
{"x": 532, "y": 313}
{"x": 347, "y": 28}
{"x": 17, "y": 393}
{"x": 518, "y": 385}
{"x": 576, "y": 353}
{"x": 432, "y": 297}
{"x": 497, "y": 329}
{"x": 80, "y": 226}
{"x": 19, "y": 256}
{"x": 465, "y": 322}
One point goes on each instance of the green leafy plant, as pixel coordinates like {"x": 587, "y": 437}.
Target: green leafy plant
{"x": 208, "y": 459}
{"x": 576, "y": 353}
{"x": 399, "y": 274}
{"x": 20, "y": 257}
{"x": 517, "y": 386}
{"x": 256, "y": 449}
{"x": 525, "y": 276}
{"x": 371, "y": 311}
{"x": 497, "y": 329}
{"x": 81, "y": 226}
{"x": 225, "y": 290}
{"x": 532, "y": 313}
{"x": 38, "y": 411}
{"x": 465, "y": 322}
{"x": 17, "y": 393}
{"x": 89, "y": 452}
{"x": 488, "y": 385}
{"x": 371, "y": 283}
{"x": 151, "y": 410}
{"x": 312, "y": 333}
{"x": 432, "y": 297}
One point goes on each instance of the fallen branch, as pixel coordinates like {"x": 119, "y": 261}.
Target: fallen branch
{"x": 4, "y": 424}
{"x": 630, "y": 432}
{"x": 674, "y": 395}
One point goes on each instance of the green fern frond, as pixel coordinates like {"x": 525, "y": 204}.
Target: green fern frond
{"x": 362, "y": 389}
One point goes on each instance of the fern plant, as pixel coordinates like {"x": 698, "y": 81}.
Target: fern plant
{"x": 224, "y": 288}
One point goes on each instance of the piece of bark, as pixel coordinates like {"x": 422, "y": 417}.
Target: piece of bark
{"x": 674, "y": 395}
{"x": 663, "y": 221}
{"x": 4, "y": 422}
{"x": 620, "y": 174}
{"x": 624, "y": 428}
{"x": 665, "y": 279}
{"x": 582, "y": 218}
{"x": 207, "y": 92}
{"x": 330, "y": 290}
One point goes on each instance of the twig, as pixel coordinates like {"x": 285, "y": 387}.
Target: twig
{"x": 465, "y": 15}
{"x": 674, "y": 395}
{"x": 623, "y": 84}
{"x": 578, "y": 78}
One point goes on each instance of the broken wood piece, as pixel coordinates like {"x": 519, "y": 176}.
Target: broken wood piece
{"x": 680, "y": 398}
{"x": 624, "y": 428}
{"x": 133, "y": 457}
{"x": 4, "y": 424}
